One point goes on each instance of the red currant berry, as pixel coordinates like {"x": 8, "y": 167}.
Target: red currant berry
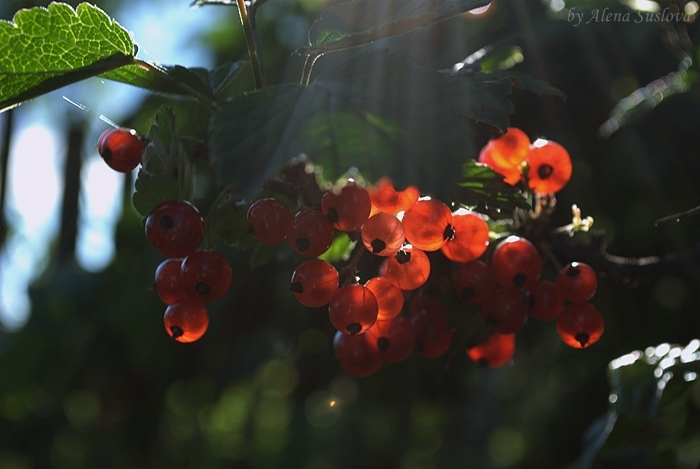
{"x": 353, "y": 309}
{"x": 388, "y": 200}
{"x": 355, "y": 355}
{"x": 577, "y": 282}
{"x": 311, "y": 233}
{"x": 424, "y": 308}
{"x": 496, "y": 351}
{"x": 546, "y": 302}
{"x": 392, "y": 340}
{"x": 175, "y": 228}
{"x": 470, "y": 238}
{"x": 206, "y": 275}
{"x": 349, "y": 209}
{"x": 408, "y": 269}
{"x": 435, "y": 339}
{"x": 580, "y": 325}
{"x": 549, "y": 167}
{"x": 121, "y": 149}
{"x": 511, "y": 149}
{"x": 511, "y": 175}
{"x": 516, "y": 263}
{"x": 474, "y": 282}
{"x": 506, "y": 311}
{"x": 428, "y": 224}
{"x": 383, "y": 234}
{"x": 314, "y": 282}
{"x": 389, "y": 297}
{"x": 269, "y": 221}
{"x": 186, "y": 320}
{"x": 168, "y": 283}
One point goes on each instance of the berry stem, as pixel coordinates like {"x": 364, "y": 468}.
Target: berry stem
{"x": 550, "y": 256}
{"x": 308, "y": 68}
{"x": 251, "y": 42}
{"x": 350, "y": 269}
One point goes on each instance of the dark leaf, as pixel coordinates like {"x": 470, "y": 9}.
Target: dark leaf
{"x": 481, "y": 186}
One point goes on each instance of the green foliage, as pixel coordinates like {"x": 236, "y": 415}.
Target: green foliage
{"x": 166, "y": 173}
{"x": 481, "y": 186}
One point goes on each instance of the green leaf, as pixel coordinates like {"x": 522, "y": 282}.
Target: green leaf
{"x": 233, "y": 228}
{"x": 166, "y": 172}
{"x": 481, "y": 186}
{"x": 340, "y": 250}
{"x": 45, "y": 49}
{"x": 377, "y": 112}
{"x": 358, "y": 22}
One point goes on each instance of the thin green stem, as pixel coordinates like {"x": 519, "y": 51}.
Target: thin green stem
{"x": 188, "y": 90}
{"x": 550, "y": 256}
{"x": 308, "y": 68}
{"x": 252, "y": 43}
{"x": 350, "y": 269}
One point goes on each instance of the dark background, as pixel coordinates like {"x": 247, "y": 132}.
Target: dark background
{"x": 93, "y": 381}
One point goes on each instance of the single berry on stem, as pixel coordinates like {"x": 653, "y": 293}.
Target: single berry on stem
{"x": 168, "y": 281}
{"x": 206, "y": 275}
{"x": 549, "y": 167}
{"x": 186, "y": 320}
{"x": 311, "y": 233}
{"x": 580, "y": 325}
{"x": 314, "y": 282}
{"x": 408, "y": 269}
{"x": 388, "y": 200}
{"x": 383, "y": 234}
{"x": 392, "y": 340}
{"x": 121, "y": 149}
{"x": 355, "y": 355}
{"x": 577, "y": 282}
{"x": 175, "y": 228}
{"x": 389, "y": 297}
{"x": 511, "y": 149}
{"x": 516, "y": 263}
{"x": 353, "y": 309}
{"x": 269, "y": 221}
{"x": 428, "y": 224}
{"x": 470, "y": 238}
{"x": 348, "y": 209}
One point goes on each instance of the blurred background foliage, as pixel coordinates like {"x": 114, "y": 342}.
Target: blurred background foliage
{"x": 92, "y": 380}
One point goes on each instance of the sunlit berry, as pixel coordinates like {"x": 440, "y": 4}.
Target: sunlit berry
{"x": 577, "y": 282}
{"x": 206, "y": 275}
{"x": 311, "y": 233}
{"x": 408, "y": 269}
{"x": 516, "y": 263}
{"x": 428, "y": 224}
{"x": 121, "y": 149}
{"x": 392, "y": 340}
{"x": 314, "y": 282}
{"x": 168, "y": 282}
{"x": 269, "y": 221}
{"x": 549, "y": 167}
{"x": 383, "y": 234}
{"x": 389, "y": 297}
{"x": 355, "y": 355}
{"x": 470, "y": 237}
{"x": 353, "y": 309}
{"x": 387, "y": 199}
{"x": 511, "y": 149}
{"x": 511, "y": 175}
{"x": 175, "y": 228}
{"x": 347, "y": 209}
{"x": 580, "y": 325}
{"x": 495, "y": 352}
{"x": 186, "y": 320}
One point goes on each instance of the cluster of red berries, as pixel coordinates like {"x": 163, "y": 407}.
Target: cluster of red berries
{"x": 189, "y": 278}
{"x": 548, "y": 164}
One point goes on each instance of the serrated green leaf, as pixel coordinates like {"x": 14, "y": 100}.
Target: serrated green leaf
{"x": 483, "y": 187}
{"x": 166, "y": 170}
{"x": 358, "y": 22}
{"x": 44, "y": 49}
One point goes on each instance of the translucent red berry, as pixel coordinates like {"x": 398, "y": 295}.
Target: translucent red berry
{"x": 496, "y": 351}
{"x": 511, "y": 149}
{"x": 511, "y": 175}
{"x": 435, "y": 338}
{"x": 470, "y": 237}
{"x": 428, "y": 224}
{"x": 387, "y": 199}
{"x": 506, "y": 311}
{"x": 389, "y": 297}
{"x": 175, "y": 228}
{"x": 545, "y": 301}
{"x": 348, "y": 209}
{"x": 311, "y": 233}
{"x": 186, "y": 320}
{"x": 580, "y": 325}
{"x": 408, "y": 269}
{"x": 383, "y": 234}
{"x": 353, "y": 309}
{"x": 168, "y": 282}
{"x": 549, "y": 167}
{"x": 577, "y": 282}
{"x": 314, "y": 282}
{"x": 206, "y": 275}
{"x": 516, "y": 263}
{"x": 269, "y": 221}
{"x": 121, "y": 149}
{"x": 392, "y": 340}
{"x": 355, "y": 355}
{"x": 474, "y": 282}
